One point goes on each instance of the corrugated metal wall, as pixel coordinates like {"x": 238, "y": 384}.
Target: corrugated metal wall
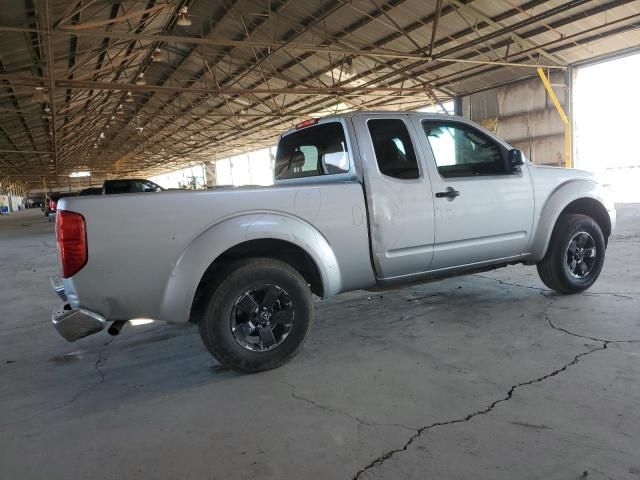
{"x": 523, "y": 114}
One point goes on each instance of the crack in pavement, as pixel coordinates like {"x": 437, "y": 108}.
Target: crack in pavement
{"x": 419, "y": 431}
{"x": 540, "y": 289}
{"x": 546, "y": 316}
{"x": 9, "y": 329}
{"x": 502, "y": 282}
{"x": 327, "y": 408}
{"x": 99, "y": 361}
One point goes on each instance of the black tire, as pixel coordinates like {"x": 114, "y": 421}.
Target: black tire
{"x": 555, "y": 269}
{"x": 222, "y": 311}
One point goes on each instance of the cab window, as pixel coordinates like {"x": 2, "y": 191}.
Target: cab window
{"x": 313, "y": 151}
{"x": 462, "y": 151}
{"x": 393, "y": 148}
{"x": 148, "y": 186}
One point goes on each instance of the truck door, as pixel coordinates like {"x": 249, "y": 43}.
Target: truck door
{"x": 398, "y": 195}
{"x": 483, "y": 207}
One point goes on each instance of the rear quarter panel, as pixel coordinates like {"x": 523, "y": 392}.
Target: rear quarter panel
{"x": 136, "y": 241}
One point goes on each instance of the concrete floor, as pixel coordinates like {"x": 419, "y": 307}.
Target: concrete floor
{"x": 488, "y": 376}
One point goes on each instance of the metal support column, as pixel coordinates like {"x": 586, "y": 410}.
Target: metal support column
{"x": 563, "y": 116}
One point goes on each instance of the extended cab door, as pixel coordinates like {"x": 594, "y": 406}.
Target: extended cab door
{"x": 483, "y": 207}
{"x": 398, "y": 195}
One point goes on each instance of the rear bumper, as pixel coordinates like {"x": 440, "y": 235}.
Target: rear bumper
{"x": 58, "y": 287}
{"x": 74, "y": 323}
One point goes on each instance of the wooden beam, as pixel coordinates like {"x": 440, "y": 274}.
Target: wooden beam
{"x": 30, "y": 152}
{"x": 97, "y": 85}
{"x": 314, "y": 48}
{"x": 52, "y": 79}
{"x": 435, "y": 27}
{"x": 109, "y": 21}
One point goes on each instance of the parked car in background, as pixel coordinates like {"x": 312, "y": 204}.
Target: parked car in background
{"x": 90, "y": 191}
{"x": 130, "y": 185}
{"x": 364, "y": 200}
{"x": 52, "y": 205}
{"x": 109, "y": 187}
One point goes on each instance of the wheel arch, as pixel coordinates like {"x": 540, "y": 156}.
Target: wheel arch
{"x": 278, "y": 249}
{"x": 594, "y": 209}
{"x": 579, "y": 196}
{"x": 265, "y": 234}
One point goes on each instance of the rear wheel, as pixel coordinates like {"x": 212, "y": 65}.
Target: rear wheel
{"x": 258, "y": 316}
{"x": 575, "y": 255}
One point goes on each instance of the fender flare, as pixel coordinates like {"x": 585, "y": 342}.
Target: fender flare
{"x": 555, "y": 204}
{"x": 205, "y": 248}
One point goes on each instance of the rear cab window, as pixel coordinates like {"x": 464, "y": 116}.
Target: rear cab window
{"x": 393, "y": 148}
{"x": 312, "y": 152}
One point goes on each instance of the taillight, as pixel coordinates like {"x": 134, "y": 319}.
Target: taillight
{"x": 71, "y": 235}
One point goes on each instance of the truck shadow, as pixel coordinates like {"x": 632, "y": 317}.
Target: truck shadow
{"x": 161, "y": 359}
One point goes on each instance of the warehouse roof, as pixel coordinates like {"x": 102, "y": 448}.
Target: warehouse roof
{"x": 123, "y": 87}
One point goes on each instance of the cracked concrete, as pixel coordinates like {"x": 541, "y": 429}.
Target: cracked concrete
{"x": 388, "y": 455}
{"x": 488, "y": 376}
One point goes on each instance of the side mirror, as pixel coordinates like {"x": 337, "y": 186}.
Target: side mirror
{"x": 515, "y": 158}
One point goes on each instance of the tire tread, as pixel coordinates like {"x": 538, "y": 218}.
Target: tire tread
{"x": 550, "y": 268}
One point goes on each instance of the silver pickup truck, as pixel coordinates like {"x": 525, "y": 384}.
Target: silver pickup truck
{"x": 360, "y": 201}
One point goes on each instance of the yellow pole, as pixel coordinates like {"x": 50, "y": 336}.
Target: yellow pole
{"x": 567, "y": 146}
{"x": 563, "y": 116}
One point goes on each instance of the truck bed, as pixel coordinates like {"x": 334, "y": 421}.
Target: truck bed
{"x": 141, "y": 238}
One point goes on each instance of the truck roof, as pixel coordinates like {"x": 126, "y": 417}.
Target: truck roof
{"x": 349, "y": 115}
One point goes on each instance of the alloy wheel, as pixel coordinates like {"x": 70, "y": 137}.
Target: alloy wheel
{"x": 581, "y": 255}
{"x": 262, "y": 318}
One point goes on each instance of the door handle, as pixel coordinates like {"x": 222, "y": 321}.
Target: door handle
{"x": 451, "y": 193}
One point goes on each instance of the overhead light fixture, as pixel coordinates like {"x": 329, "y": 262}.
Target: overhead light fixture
{"x": 349, "y": 70}
{"x": 183, "y": 18}
{"x": 141, "y": 80}
{"x": 101, "y": 135}
{"x": 157, "y": 56}
{"x": 128, "y": 98}
{"x": 80, "y": 173}
{"x": 40, "y": 96}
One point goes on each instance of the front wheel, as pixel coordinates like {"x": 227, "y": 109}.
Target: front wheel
{"x": 258, "y": 316}
{"x": 575, "y": 255}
